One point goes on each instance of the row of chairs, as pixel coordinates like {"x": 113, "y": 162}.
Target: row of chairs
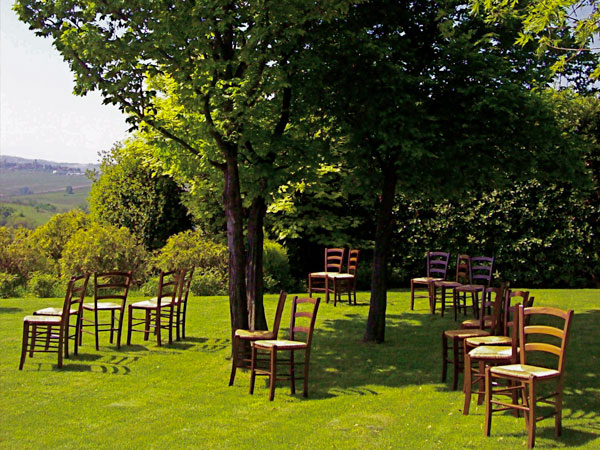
{"x": 502, "y": 357}
{"x": 259, "y": 350}
{"x": 51, "y": 329}
{"x": 474, "y": 274}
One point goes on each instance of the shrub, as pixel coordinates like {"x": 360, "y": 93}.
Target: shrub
{"x": 19, "y": 254}
{"x": 102, "y": 248}
{"x": 43, "y": 285}
{"x": 276, "y": 266}
{"x": 149, "y": 288}
{"x": 8, "y": 284}
{"x": 192, "y": 248}
{"x": 209, "y": 282}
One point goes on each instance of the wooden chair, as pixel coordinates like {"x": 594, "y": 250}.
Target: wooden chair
{"x": 181, "y": 300}
{"x": 437, "y": 266}
{"x": 494, "y": 307}
{"x": 453, "y": 340}
{"x": 319, "y": 281}
{"x": 346, "y": 282}
{"x": 482, "y": 268}
{"x": 242, "y": 339}
{"x": 75, "y": 310}
{"x": 463, "y": 276}
{"x": 534, "y": 338}
{"x": 155, "y": 318}
{"x": 478, "y": 356}
{"x": 293, "y": 345}
{"x": 50, "y": 333}
{"x": 107, "y": 286}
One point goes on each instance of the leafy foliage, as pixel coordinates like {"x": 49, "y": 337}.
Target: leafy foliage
{"x": 8, "y": 285}
{"x": 54, "y": 235}
{"x": 43, "y": 285}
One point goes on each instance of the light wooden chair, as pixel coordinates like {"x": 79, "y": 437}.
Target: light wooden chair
{"x": 346, "y": 282}
{"x": 320, "y": 281}
{"x": 538, "y": 334}
{"x": 50, "y": 333}
{"x": 272, "y": 347}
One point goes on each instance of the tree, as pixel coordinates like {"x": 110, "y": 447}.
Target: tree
{"x": 127, "y": 193}
{"x": 434, "y": 103}
{"x": 569, "y": 27}
{"x": 212, "y": 77}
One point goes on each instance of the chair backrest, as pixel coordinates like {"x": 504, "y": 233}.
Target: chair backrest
{"x": 185, "y": 281}
{"x": 74, "y": 296}
{"x": 334, "y": 259}
{"x": 463, "y": 269}
{"x": 111, "y": 285}
{"x": 279, "y": 312}
{"x": 168, "y": 283}
{"x": 353, "y": 261}
{"x": 544, "y": 338}
{"x": 493, "y": 299}
{"x": 482, "y": 268}
{"x": 509, "y": 301}
{"x": 437, "y": 264}
{"x": 305, "y": 308}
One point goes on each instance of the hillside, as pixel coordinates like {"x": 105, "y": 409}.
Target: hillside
{"x": 32, "y": 191}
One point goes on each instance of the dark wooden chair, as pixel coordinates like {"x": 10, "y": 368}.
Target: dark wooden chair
{"x": 346, "y": 282}
{"x": 158, "y": 311}
{"x": 320, "y": 281}
{"x": 452, "y": 340}
{"x": 463, "y": 276}
{"x": 482, "y": 268}
{"x": 240, "y": 354}
{"x": 50, "y": 333}
{"x": 291, "y": 346}
{"x": 75, "y": 311}
{"x": 107, "y": 286}
{"x": 478, "y": 356}
{"x": 181, "y": 301}
{"x": 538, "y": 334}
{"x": 492, "y": 311}
{"x": 437, "y": 267}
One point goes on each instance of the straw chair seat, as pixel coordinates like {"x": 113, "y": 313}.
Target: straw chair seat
{"x": 524, "y": 371}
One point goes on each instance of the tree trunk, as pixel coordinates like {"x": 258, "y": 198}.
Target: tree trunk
{"x": 254, "y": 265}
{"x": 235, "y": 244}
{"x": 375, "y": 331}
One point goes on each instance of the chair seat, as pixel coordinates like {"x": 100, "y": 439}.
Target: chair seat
{"x": 322, "y": 274}
{"x": 44, "y": 320}
{"x": 524, "y": 371}
{"x": 464, "y": 333}
{"x": 102, "y": 305}
{"x": 150, "y": 304}
{"x": 474, "y": 323}
{"x": 489, "y": 340}
{"x": 341, "y": 276}
{"x": 447, "y": 284}
{"x": 254, "y": 335}
{"x": 425, "y": 280}
{"x": 52, "y": 311}
{"x": 470, "y": 288}
{"x": 280, "y": 343}
{"x": 492, "y": 352}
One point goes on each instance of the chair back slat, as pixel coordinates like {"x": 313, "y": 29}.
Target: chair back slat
{"x": 334, "y": 259}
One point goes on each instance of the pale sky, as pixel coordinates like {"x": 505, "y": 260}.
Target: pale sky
{"x": 39, "y": 115}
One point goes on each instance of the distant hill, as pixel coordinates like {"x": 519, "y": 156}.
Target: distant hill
{"x": 33, "y": 190}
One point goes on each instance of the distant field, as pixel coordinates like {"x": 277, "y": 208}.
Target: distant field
{"x": 34, "y": 210}
{"x": 13, "y": 182}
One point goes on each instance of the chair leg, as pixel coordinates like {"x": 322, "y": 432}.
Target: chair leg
{"x": 273, "y": 373}
{"x": 558, "y": 411}
{"x": 252, "y": 370}
{"x": 157, "y": 327}
{"x": 467, "y": 383}
{"x": 234, "y": 360}
{"x": 481, "y": 382}
{"x": 306, "y": 367}
{"x": 177, "y": 322}
{"x": 183, "y": 321}
{"x": 147, "y": 325}
{"x": 61, "y": 337}
{"x": 129, "y": 322}
{"x": 412, "y": 295}
{"x": 488, "y": 403}
{"x": 120, "y": 329}
{"x": 532, "y": 418}
{"x": 96, "y": 328}
{"x": 292, "y": 374}
{"x": 444, "y": 356}
{"x": 24, "y": 344}
{"x": 455, "y": 363}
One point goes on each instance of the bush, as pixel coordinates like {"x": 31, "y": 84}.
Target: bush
{"x": 276, "y": 266}
{"x": 43, "y": 285}
{"x": 149, "y": 288}
{"x": 8, "y": 284}
{"x": 102, "y": 248}
{"x": 209, "y": 282}
{"x": 20, "y": 255}
{"x": 192, "y": 249}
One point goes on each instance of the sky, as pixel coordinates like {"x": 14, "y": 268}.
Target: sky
{"x": 40, "y": 118}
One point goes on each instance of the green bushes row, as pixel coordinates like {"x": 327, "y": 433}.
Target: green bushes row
{"x": 41, "y": 261}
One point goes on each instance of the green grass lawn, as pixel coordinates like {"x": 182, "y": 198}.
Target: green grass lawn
{"x": 360, "y": 395}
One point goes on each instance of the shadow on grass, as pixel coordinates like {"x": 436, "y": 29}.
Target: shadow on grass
{"x": 341, "y": 364}
{"x": 10, "y": 310}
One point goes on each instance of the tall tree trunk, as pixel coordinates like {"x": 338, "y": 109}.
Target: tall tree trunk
{"x": 375, "y": 331}
{"x": 254, "y": 265}
{"x": 235, "y": 244}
